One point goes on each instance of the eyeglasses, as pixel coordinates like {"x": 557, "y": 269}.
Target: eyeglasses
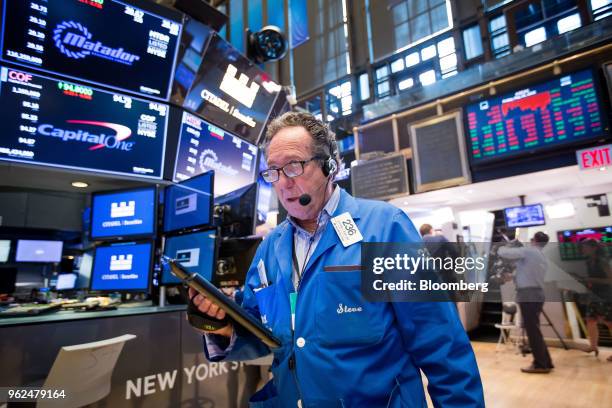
{"x": 292, "y": 169}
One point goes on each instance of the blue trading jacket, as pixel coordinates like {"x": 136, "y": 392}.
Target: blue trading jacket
{"x": 367, "y": 356}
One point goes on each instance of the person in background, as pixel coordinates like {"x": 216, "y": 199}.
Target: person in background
{"x": 599, "y": 282}
{"x": 531, "y": 267}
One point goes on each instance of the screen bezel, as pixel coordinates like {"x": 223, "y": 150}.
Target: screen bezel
{"x": 524, "y": 206}
{"x": 217, "y": 243}
{"x": 36, "y": 262}
{"x": 137, "y": 290}
{"x": 210, "y": 173}
{"x": 544, "y": 150}
{"x": 129, "y": 237}
{"x": 146, "y": 6}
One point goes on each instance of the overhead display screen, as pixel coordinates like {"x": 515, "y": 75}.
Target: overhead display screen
{"x": 123, "y": 213}
{"x": 122, "y": 267}
{"x": 203, "y": 147}
{"x": 231, "y": 91}
{"x": 524, "y": 216}
{"x": 569, "y": 241}
{"x": 106, "y": 42}
{"x": 64, "y": 124}
{"x": 561, "y": 111}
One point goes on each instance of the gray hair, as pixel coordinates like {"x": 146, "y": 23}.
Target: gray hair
{"x": 323, "y": 139}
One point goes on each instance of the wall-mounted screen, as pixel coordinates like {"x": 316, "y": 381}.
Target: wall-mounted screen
{"x": 29, "y": 250}
{"x": 125, "y": 267}
{"x": 562, "y": 111}
{"x": 524, "y": 216}
{"x": 203, "y": 147}
{"x": 196, "y": 252}
{"x": 569, "y": 241}
{"x": 127, "y": 45}
{"x": 63, "y": 124}
{"x": 121, "y": 214}
{"x": 232, "y": 92}
{"x": 189, "y": 203}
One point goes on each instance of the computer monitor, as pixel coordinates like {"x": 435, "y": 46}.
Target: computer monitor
{"x": 5, "y": 249}
{"x": 29, "y": 250}
{"x": 236, "y": 212}
{"x": 122, "y": 268}
{"x": 524, "y": 216}
{"x": 189, "y": 203}
{"x": 66, "y": 281}
{"x": 8, "y": 277}
{"x": 124, "y": 214}
{"x": 195, "y": 251}
{"x": 235, "y": 257}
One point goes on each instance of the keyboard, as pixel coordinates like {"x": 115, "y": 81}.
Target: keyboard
{"x": 28, "y": 310}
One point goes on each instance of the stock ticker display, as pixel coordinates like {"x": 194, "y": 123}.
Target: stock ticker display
{"x": 64, "y": 124}
{"x": 561, "y": 111}
{"x": 203, "y": 146}
{"x": 569, "y": 241}
{"x": 100, "y": 41}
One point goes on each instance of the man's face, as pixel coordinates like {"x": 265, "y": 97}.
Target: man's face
{"x": 295, "y": 143}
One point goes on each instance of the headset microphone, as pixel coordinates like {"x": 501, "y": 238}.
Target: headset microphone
{"x": 305, "y": 199}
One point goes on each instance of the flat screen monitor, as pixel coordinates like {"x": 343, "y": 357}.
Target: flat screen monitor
{"x": 232, "y": 92}
{"x": 563, "y": 111}
{"x": 194, "y": 40}
{"x": 63, "y": 124}
{"x": 129, "y": 45}
{"x": 265, "y": 192}
{"x": 122, "y": 267}
{"x": 238, "y": 211}
{"x": 29, "y": 250}
{"x": 524, "y": 216}
{"x": 66, "y": 281}
{"x": 5, "y": 249}
{"x": 124, "y": 214}
{"x": 195, "y": 251}
{"x": 189, "y": 203}
{"x": 569, "y": 241}
{"x": 204, "y": 147}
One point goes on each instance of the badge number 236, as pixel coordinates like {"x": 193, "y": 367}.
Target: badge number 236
{"x": 348, "y": 227}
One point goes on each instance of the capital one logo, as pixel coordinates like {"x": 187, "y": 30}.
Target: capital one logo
{"x": 121, "y": 262}
{"x": 74, "y": 40}
{"x": 123, "y": 209}
{"x": 238, "y": 88}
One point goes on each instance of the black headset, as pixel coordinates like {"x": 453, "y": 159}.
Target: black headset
{"x": 330, "y": 165}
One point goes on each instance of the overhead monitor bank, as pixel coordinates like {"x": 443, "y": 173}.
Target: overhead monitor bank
{"x": 128, "y": 45}
{"x": 203, "y": 147}
{"x": 65, "y": 124}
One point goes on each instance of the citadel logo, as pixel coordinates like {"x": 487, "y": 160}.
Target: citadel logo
{"x": 74, "y": 40}
{"x": 209, "y": 161}
{"x": 238, "y": 88}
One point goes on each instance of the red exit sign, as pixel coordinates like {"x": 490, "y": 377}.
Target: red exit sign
{"x": 595, "y": 157}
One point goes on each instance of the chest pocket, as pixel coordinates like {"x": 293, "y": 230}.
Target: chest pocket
{"x": 274, "y": 309}
{"x": 342, "y": 316}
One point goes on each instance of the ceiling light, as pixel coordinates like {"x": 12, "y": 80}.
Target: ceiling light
{"x": 79, "y": 184}
{"x": 560, "y": 210}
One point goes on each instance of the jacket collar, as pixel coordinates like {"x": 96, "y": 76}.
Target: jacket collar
{"x": 283, "y": 247}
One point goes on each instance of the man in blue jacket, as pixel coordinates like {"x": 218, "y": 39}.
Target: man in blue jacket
{"x": 304, "y": 284}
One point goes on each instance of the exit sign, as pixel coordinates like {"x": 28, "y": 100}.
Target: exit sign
{"x": 595, "y": 157}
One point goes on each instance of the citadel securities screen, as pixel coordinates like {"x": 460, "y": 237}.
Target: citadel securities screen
{"x": 101, "y": 41}
{"x": 122, "y": 267}
{"x": 63, "y": 124}
{"x": 123, "y": 213}
{"x": 561, "y": 111}
{"x": 203, "y": 147}
{"x": 231, "y": 91}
